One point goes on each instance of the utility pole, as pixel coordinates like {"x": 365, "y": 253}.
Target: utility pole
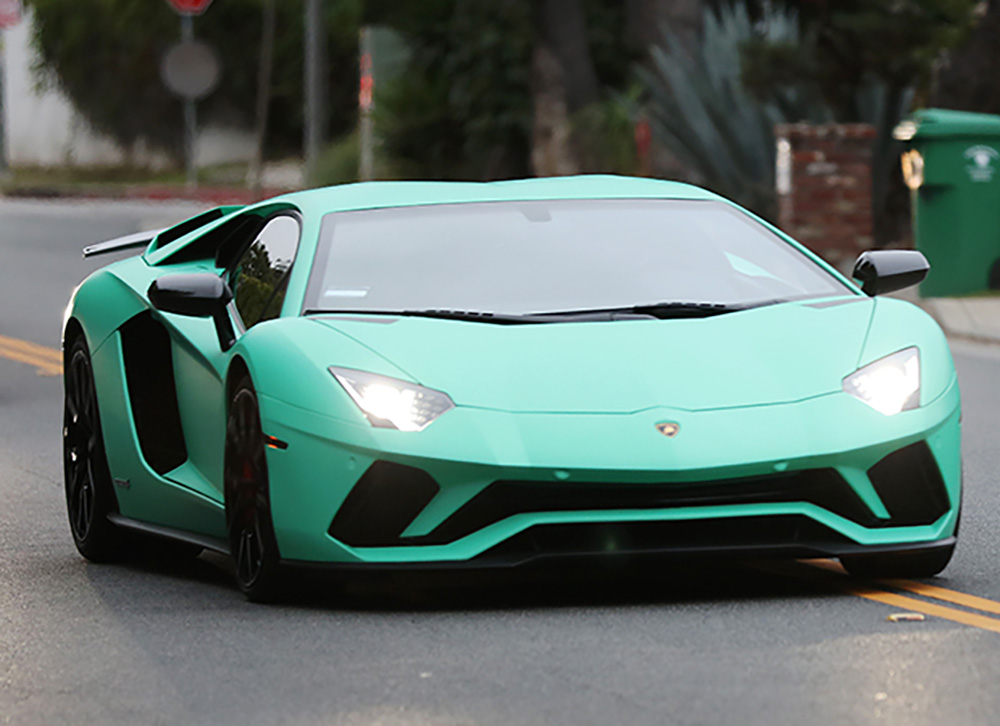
{"x": 263, "y": 95}
{"x": 190, "y": 115}
{"x": 315, "y": 62}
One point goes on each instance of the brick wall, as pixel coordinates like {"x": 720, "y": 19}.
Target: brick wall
{"x": 824, "y": 180}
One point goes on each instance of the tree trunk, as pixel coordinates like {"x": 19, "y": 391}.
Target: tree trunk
{"x": 643, "y": 19}
{"x": 562, "y": 27}
{"x": 551, "y": 143}
{"x": 563, "y": 82}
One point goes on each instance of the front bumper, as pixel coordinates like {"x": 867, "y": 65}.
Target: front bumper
{"x": 799, "y": 479}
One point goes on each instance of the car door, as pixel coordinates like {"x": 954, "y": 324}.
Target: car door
{"x": 258, "y": 277}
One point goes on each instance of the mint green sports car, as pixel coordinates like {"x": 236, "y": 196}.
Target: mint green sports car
{"x": 477, "y": 375}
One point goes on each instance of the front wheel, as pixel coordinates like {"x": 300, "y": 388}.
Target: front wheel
{"x": 899, "y": 564}
{"x": 248, "y": 510}
{"x": 89, "y": 494}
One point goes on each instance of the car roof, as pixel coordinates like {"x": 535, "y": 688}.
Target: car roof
{"x": 382, "y": 194}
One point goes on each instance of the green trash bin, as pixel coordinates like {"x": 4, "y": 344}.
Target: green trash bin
{"x": 952, "y": 166}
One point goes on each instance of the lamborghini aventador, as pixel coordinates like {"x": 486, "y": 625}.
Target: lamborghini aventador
{"x": 399, "y": 374}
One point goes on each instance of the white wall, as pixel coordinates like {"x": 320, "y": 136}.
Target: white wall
{"x": 43, "y": 128}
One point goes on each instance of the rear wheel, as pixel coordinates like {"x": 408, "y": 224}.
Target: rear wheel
{"x": 248, "y": 507}
{"x": 89, "y": 494}
{"x": 899, "y": 564}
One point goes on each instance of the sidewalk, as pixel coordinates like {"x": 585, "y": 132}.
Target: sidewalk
{"x": 973, "y": 318}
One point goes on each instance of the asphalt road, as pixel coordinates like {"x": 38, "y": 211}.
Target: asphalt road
{"x": 175, "y": 643}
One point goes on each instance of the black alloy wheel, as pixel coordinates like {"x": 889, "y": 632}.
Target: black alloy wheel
{"x": 89, "y": 494}
{"x": 248, "y": 512}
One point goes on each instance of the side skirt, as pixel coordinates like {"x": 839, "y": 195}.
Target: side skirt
{"x": 178, "y": 535}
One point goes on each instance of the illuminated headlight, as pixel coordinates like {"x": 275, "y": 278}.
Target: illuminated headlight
{"x": 391, "y": 403}
{"x": 890, "y": 384}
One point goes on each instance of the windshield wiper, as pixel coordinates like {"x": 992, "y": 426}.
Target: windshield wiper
{"x": 670, "y": 309}
{"x": 475, "y": 316}
{"x": 646, "y": 311}
{"x": 660, "y": 310}
{"x": 478, "y": 316}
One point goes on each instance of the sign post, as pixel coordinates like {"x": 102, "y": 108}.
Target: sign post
{"x": 191, "y": 71}
{"x": 10, "y": 15}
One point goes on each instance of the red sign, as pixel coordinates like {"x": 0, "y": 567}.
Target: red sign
{"x": 366, "y": 91}
{"x": 190, "y": 7}
{"x": 10, "y": 13}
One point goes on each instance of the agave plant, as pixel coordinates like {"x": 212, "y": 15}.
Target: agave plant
{"x": 702, "y": 110}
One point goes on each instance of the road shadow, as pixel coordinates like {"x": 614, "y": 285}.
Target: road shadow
{"x": 611, "y": 583}
{"x": 595, "y": 584}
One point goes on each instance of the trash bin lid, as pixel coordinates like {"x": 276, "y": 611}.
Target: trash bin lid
{"x": 941, "y": 123}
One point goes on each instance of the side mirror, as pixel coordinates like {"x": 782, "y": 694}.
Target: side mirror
{"x": 882, "y": 271}
{"x": 198, "y": 295}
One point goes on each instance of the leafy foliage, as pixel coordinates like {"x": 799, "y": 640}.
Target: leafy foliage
{"x": 341, "y": 160}
{"x": 968, "y": 80}
{"x": 849, "y": 41}
{"x": 257, "y": 292}
{"x": 607, "y": 133}
{"x": 105, "y": 55}
{"x": 464, "y": 108}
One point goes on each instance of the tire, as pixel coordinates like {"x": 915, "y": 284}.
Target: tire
{"x": 900, "y": 564}
{"x": 248, "y": 510}
{"x": 90, "y": 497}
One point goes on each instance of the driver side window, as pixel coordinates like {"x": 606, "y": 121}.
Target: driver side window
{"x": 260, "y": 276}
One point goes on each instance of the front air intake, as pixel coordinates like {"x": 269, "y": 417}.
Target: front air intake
{"x": 909, "y": 483}
{"x": 382, "y": 504}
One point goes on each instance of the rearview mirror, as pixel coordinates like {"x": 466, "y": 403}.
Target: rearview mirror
{"x": 882, "y": 271}
{"x": 199, "y": 295}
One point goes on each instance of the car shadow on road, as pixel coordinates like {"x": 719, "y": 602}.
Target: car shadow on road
{"x": 598, "y": 584}
{"x": 613, "y": 583}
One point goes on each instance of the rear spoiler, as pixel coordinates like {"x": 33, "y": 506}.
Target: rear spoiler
{"x": 166, "y": 236}
{"x": 128, "y": 242}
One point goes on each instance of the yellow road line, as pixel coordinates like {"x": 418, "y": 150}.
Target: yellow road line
{"x": 35, "y": 349}
{"x": 942, "y": 593}
{"x": 982, "y": 622}
{"x": 935, "y": 592}
{"x": 48, "y": 361}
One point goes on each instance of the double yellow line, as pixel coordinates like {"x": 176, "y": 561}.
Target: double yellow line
{"x": 47, "y": 361}
{"x": 926, "y": 606}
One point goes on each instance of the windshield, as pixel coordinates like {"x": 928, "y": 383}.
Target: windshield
{"x": 544, "y": 257}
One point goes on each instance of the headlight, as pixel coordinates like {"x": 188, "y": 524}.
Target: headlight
{"x": 890, "y": 384}
{"x": 391, "y": 403}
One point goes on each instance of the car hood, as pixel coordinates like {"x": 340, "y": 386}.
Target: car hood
{"x": 767, "y": 355}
